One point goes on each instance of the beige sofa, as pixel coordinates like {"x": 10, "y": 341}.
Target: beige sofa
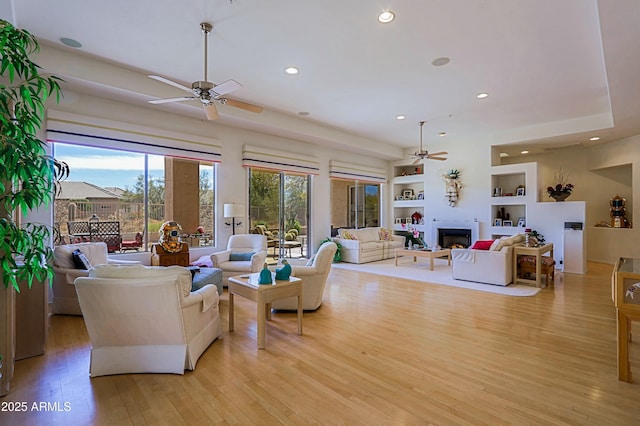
{"x": 493, "y": 266}
{"x": 368, "y": 244}
{"x": 146, "y": 319}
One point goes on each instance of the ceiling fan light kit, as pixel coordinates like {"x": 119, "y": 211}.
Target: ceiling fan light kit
{"x": 205, "y": 91}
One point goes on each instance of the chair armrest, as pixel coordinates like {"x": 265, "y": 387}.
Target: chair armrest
{"x": 69, "y": 275}
{"x": 220, "y": 257}
{"x": 124, "y": 262}
{"x": 400, "y": 238}
{"x": 208, "y": 295}
{"x": 349, "y": 244}
{"x": 257, "y": 260}
{"x": 304, "y": 271}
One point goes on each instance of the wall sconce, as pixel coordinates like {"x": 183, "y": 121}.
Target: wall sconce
{"x": 232, "y": 211}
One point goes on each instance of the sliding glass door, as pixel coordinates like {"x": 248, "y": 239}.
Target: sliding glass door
{"x": 354, "y": 204}
{"x": 279, "y": 208}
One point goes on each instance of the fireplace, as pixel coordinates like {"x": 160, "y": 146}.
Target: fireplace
{"x": 454, "y": 237}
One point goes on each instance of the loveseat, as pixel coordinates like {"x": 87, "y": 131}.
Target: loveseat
{"x": 488, "y": 262}
{"x": 368, "y": 244}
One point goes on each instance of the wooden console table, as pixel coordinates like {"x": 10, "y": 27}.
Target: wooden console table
{"x": 538, "y": 252}
{"x": 161, "y": 257}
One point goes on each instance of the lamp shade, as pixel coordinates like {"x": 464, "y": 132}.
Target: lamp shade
{"x": 233, "y": 210}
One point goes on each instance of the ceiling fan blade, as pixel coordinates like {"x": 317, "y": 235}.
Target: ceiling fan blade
{"x": 243, "y": 105}
{"x": 436, "y": 158}
{"x": 211, "y": 111}
{"x": 226, "y": 87}
{"x": 417, "y": 160}
{"x": 439, "y": 153}
{"x": 165, "y": 101}
{"x": 171, "y": 83}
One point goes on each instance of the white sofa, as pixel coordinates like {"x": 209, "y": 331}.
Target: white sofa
{"x": 368, "y": 244}
{"x": 65, "y": 299}
{"x": 493, "y": 266}
{"x": 146, "y": 319}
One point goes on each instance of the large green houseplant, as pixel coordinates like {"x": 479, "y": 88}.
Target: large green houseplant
{"x": 28, "y": 178}
{"x": 27, "y": 174}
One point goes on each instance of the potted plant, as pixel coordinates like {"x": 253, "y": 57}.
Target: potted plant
{"x": 27, "y": 176}
{"x": 561, "y": 190}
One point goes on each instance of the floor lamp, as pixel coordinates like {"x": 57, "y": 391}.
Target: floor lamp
{"x": 232, "y": 211}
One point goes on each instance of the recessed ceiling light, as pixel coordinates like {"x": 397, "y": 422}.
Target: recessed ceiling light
{"x": 70, "y": 42}
{"x": 595, "y": 138}
{"x": 438, "y": 62}
{"x": 400, "y": 117}
{"x": 303, "y": 113}
{"x": 503, "y": 154}
{"x": 524, "y": 152}
{"x": 442, "y": 133}
{"x": 386, "y": 16}
{"x": 482, "y": 95}
{"x": 291, "y": 70}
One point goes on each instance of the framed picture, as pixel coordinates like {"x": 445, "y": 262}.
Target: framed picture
{"x": 507, "y": 223}
{"x": 497, "y": 222}
{"x": 402, "y": 220}
{"x": 421, "y": 195}
{"x": 521, "y": 222}
{"x": 407, "y": 220}
{"x": 520, "y": 190}
{"x": 407, "y": 194}
{"x": 398, "y": 221}
{"x": 399, "y": 198}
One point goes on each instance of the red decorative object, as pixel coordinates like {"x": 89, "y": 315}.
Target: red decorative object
{"x": 415, "y": 218}
{"x": 482, "y": 244}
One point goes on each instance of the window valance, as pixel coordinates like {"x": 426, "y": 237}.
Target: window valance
{"x": 268, "y": 158}
{"x": 100, "y": 133}
{"x": 341, "y": 170}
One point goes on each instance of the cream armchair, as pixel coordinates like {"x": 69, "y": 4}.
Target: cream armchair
{"x": 239, "y": 247}
{"x": 314, "y": 280}
{"x": 146, "y": 319}
{"x": 65, "y": 299}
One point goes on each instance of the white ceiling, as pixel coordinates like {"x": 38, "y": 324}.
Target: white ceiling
{"x": 557, "y": 72}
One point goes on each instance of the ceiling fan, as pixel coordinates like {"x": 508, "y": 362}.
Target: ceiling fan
{"x": 207, "y": 92}
{"x": 422, "y": 154}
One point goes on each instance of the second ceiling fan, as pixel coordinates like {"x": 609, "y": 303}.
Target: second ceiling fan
{"x": 207, "y": 92}
{"x": 422, "y": 153}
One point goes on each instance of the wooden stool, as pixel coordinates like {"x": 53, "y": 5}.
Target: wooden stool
{"x": 527, "y": 265}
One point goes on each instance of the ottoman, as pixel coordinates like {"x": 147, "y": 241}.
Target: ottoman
{"x": 207, "y": 276}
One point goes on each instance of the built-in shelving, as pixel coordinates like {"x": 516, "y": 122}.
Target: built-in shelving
{"x": 513, "y": 189}
{"x": 408, "y": 196}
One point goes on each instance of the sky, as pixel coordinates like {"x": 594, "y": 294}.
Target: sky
{"x": 106, "y": 168}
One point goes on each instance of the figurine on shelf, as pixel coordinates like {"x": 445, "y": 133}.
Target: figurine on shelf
{"x": 283, "y": 273}
{"x": 265, "y": 275}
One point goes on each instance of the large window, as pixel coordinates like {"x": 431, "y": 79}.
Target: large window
{"x": 354, "y": 204}
{"x": 123, "y": 198}
{"x": 279, "y": 207}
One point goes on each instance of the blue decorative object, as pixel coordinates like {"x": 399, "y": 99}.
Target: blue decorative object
{"x": 265, "y": 276}
{"x": 283, "y": 274}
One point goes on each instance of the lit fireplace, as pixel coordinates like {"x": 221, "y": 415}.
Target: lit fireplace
{"x": 454, "y": 238}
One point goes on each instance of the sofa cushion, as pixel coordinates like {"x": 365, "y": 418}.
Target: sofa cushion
{"x": 371, "y": 246}
{"x": 368, "y": 234}
{"x": 96, "y": 253}
{"x": 348, "y": 235}
{"x": 80, "y": 261}
{"x": 482, "y": 245}
{"x": 234, "y": 257}
{"x": 384, "y": 234}
{"x": 140, "y": 271}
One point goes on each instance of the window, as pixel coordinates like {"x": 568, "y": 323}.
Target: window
{"x": 135, "y": 194}
{"x": 354, "y": 204}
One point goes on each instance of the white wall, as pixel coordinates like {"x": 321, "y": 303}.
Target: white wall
{"x": 232, "y": 178}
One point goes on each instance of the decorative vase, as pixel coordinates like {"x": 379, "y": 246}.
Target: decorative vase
{"x": 560, "y": 196}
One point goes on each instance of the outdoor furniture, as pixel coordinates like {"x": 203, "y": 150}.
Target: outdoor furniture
{"x": 135, "y": 244}
{"x": 94, "y": 231}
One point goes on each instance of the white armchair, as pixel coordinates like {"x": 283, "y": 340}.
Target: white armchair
{"x": 146, "y": 319}
{"x": 245, "y": 253}
{"x": 314, "y": 280}
{"x": 65, "y": 299}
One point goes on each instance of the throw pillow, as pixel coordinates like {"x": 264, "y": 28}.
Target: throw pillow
{"x": 384, "y": 234}
{"x": 482, "y": 245}
{"x": 80, "y": 261}
{"x": 240, "y": 256}
{"x": 349, "y": 236}
{"x": 203, "y": 262}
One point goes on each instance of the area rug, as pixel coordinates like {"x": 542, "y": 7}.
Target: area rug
{"x": 419, "y": 271}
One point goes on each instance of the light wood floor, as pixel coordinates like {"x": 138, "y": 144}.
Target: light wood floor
{"x": 379, "y": 351}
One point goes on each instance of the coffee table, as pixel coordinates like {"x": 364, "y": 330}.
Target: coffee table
{"x": 263, "y": 294}
{"x": 431, "y": 254}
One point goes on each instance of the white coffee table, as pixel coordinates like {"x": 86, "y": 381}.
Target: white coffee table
{"x": 263, "y": 294}
{"x": 430, "y": 254}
